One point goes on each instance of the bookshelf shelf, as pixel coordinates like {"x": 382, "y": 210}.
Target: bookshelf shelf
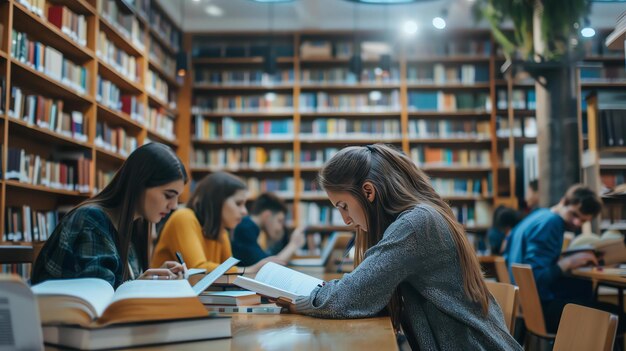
{"x": 163, "y": 42}
{"x": 350, "y": 114}
{"x": 614, "y": 149}
{"x": 171, "y": 80}
{"x": 155, "y": 100}
{"x": 4, "y": 55}
{"x": 117, "y": 118}
{"x": 484, "y": 142}
{"x": 371, "y": 140}
{"x": 603, "y": 85}
{"x": 29, "y": 77}
{"x": 120, "y": 40}
{"x": 197, "y": 169}
{"x": 450, "y": 86}
{"x": 156, "y": 136}
{"x": 226, "y": 87}
{"x": 456, "y": 169}
{"x": 449, "y": 59}
{"x": 241, "y": 141}
{"x": 109, "y": 156}
{"x": 237, "y": 60}
{"x": 26, "y": 21}
{"x": 518, "y": 113}
{"x": 451, "y": 114}
{"x": 43, "y": 190}
{"x": 350, "y": 87}
{"x": 246, "y": 114}
{"x": 78, "y": 6}
{"x": 44, "y": 135}
{"x": 604, "y": 58}
{"x": 127, "y": 86}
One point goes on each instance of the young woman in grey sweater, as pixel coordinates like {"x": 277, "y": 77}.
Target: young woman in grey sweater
{"x": 413, "y": 257}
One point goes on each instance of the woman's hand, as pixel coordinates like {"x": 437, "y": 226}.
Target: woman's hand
{"x": 284, "y": 303}
{"x": 158, "y": 274}
{"x": 176, "y": 268}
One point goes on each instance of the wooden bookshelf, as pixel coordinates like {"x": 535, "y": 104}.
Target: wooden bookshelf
{"x": 44, "y": 142}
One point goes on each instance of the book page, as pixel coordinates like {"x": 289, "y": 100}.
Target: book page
{"x": 287, "y": 279}
{"x": 96, "y": 292}
{"x": 153, "y": 289}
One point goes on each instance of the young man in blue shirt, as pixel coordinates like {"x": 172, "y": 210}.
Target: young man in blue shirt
{"x": 267, "y": 215}
{"x": 538, "y": 241}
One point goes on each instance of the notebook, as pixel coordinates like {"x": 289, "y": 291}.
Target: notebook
{"x": 338, "y": 243}
{"x": 205, "y": 282}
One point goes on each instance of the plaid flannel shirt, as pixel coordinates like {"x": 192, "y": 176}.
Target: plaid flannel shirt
{"x": 83, "y": 246}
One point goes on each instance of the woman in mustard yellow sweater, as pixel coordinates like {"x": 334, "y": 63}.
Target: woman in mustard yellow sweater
{"x": 199, "y": 232}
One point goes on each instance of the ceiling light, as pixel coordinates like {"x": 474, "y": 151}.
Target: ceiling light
{"x": 386, "y": 2}
{"x": 410, "y": 27}
{"x": 587, "y": 31}
{"x": 214, "y": 10}
{"x": 439, "y": 23}
{"x": 196, "y": 0}
{"x": 266, "y": 1}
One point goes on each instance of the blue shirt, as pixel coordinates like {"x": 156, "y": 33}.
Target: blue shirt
{"x": 245, "y": 246}
{"x": 537, "y": 241}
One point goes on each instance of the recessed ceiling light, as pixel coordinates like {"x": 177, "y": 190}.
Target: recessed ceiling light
{"x": 384, "y": 2}
{"x": 214, "y": 10}
{"x": 439, "y": 23}
{"x": 410, "y": 27}
{"x": 588, "y": 32}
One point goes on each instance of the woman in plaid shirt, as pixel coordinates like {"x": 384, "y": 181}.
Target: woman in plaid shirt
{"x": 107, "y": 236}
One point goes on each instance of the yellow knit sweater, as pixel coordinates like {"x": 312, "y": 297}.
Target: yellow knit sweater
{"x": 182, "y": 232}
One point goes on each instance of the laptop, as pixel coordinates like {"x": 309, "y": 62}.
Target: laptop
{"x": 210, "y": 278}
{"x": 336, "y": 242}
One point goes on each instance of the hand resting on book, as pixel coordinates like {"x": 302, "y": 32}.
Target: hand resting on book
{"x": 170, "y": 270}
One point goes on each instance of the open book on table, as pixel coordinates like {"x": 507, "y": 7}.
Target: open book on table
{"x": 276, "y": 281}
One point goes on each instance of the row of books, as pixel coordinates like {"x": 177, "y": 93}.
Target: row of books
{"x": 214, "y": 47}
{"x": 20, "y": 269}
{"x": 282, "y": 187}
{"x": 24, "y": 224}
{"x": 243, "y": 103}
{"x": 477, "y": 213}
{"x": 124, "y": 63}
{"x": 343, "y": 128}
{"x": 108, "y": 94}
{"x": 431, "y": 156}
{"x": 243, "y": 157}
{"x": 37, "y": 7}
{"x": 522, "y": 127}
{"x": 161, "y": 59}
{"x": 70, "y": 23}
{"x": 448, "y": 102}
{"x": 316, "y": 158}
{"x": 342, "y": 75}
{"x": 128, "y": 25}
{"x": 596, "y": 47}
{"x": 325, "y": 49}
{"x": 242, "y": 77}
{"x": 164, "y": 29}
{"x": 103, "y": 178}
{"x": 603, "y": 74}
{"x": 49, "y": 61}
{"x": 448, "y": 47}
{"x": 114, "y": 139}
{"x": 520, "y": 99}
{"x": 314, "y": 214}
{"x": 160, "y": 122}
{"x": 447, "y": 74}
{"x": 47, "y": 113}
{"x": 476, "y": 187}
{"x": 231, "y": 129}
{"x": 157, "y": 86}
{"x": 132, "y": 106}
{"x": 443, "y": 129}
{"x": 613, "y": 128}
{"x": 613, "y": 179}
{"x": 375, "y": 100}
{"x": 65, "y": 171}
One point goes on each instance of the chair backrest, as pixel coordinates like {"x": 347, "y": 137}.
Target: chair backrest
{"x": 529, "y": 300}
{"x": 502, "y": 273}
{"x": 583, "y": 328}
{"x": 507, "y": 296}
{"x": 12, "y": 254}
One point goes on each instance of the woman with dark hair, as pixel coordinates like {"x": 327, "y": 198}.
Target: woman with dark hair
{"x": 412, "y": 256}
{"x": 199, "y": 232}
{"x": 107, "y": 236}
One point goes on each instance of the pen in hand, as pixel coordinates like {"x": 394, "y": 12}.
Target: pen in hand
{"x": 179, "y": 256}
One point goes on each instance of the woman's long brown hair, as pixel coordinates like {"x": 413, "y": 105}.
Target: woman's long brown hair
{"x": 400, "y": 185}
{"x": 149, "y": 166}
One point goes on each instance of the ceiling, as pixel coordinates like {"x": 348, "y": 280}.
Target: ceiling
{"x": 246, "y": 15}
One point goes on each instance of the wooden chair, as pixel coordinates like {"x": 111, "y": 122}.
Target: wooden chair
{"x": 567, "y": 239}
{"x": 530, "y": 303}
{"x": 583, "y": 328}
{"x": 502, "y": 273}
{"x": 507, "y": 296}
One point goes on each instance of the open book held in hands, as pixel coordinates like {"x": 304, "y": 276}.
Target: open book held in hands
{"x": 276, "y": 281}
{"x": 608, "y": 251}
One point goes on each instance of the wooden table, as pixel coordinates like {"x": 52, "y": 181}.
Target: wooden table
{"x": 604, "y": 277}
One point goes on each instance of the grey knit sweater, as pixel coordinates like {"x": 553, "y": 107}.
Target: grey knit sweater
{"x": 416, "y": 253}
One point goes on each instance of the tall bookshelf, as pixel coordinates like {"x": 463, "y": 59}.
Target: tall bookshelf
{"x": 439, "y": 109}
{"x": 76, "y": 126}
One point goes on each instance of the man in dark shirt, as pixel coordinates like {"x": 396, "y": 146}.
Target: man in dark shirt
{"x": 538, "y": 241}
{"x": 267, "y": 215}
